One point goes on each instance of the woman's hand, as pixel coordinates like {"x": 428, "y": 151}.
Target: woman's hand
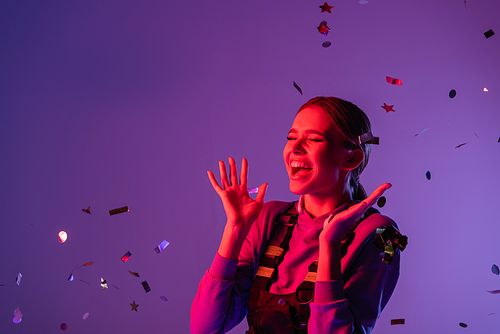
{"x": 241, "y": 209}
{"x": 341, "y": 223}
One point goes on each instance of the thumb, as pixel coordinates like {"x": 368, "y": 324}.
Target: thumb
{"x": 261, "y": 193}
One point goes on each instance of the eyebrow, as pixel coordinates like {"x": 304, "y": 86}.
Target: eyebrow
{"x": 308, "y": 131}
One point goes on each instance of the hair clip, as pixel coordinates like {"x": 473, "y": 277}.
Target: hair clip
{"x": 367, "y": 138}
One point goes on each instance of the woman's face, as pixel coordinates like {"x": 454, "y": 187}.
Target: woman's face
{"x": 314, "y": 155}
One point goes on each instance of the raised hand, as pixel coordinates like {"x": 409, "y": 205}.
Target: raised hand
{"x": 241, "y": 209}
{"x": 341, "y": 223}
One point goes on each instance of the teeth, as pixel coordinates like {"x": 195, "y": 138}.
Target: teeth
{"x": 299, "y": 164}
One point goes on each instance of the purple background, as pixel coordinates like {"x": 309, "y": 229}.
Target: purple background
{"x": 114, "y": 103}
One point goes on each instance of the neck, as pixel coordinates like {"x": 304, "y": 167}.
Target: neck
{"x": 319, "y": 205}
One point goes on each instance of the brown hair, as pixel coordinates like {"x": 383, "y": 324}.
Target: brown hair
{"x": 352, "y": 122}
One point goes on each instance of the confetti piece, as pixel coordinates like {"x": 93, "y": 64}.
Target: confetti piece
{"x": 71, "y": 278}
{"x": 462, "y": 325}
{"x": 87, "y": 264}
{"x": 164, "y": 298}
{"x": 18, "y": 315}
{"x": 489, "y": 33}
{"x": 104, "y": 284}
{"x": 134, "y": 306}
{"x": 133, "y": 274}
{"x": 476, "y": 135}
{"x": 460, "y": 145}
{"x": 495, "y": 270}
{"x": 116, "y": 287}
{"x": 428, "y": 175}
{"x": 146, "y": 286}
{"x": 393, "y": 81}
{"x": 388, "y": 108}
{"x": 18, "y": 278}
{"x": 161, "y": 246}
{"x": 119, "y": 210}
{"x": 298, "y": 88}
{"x": 84, "y": 282}
{"x": 381, "y": 202}
{"x": 253, "y": 190}
{"x": 126, "y": 256}
{"x": 323, "y": 28}
{"x": 485, "y": 89}
{"x": 85, "y": 316}
{"x": 14, "y": 320}
{"x": 63, "y": 236}
{"x": 326, "y": 8}
{"x": 363, "y": 2}
{"x": 397, "y": 321}
{"x": 63, "y": 326}
{"x": 448, "y": 120}
{"x": 491, "y": 313}
{"x": 452, "y": 93}
{"x": 326, "y": 44}
{"x": 87, "y": 210}
{"x": 421, "y": 132}
{"x": 494, "y": 292}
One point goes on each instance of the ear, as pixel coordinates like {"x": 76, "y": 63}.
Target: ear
{"x": 353, "y": 159}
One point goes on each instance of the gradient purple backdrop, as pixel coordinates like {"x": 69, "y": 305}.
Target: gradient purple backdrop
{"x": 114, "y": 103}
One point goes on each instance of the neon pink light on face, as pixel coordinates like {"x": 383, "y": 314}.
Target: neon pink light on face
{"x": 314, "y": 154}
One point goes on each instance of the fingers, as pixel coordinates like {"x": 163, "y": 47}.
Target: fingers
{"x": 244, "y": 173}
{"x": 373, "y": 198}
{"x": 212, "y": 179}
{"x": 233, "y": 175}
{"x": 223, "y": 176}
{"x": 261, "y": 193}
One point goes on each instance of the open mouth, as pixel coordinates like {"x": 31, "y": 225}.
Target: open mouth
{"x": 299, "y": 168}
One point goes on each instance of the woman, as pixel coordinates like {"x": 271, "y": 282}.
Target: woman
{"x": 317, "y": 265}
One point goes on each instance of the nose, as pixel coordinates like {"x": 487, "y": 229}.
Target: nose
{"x": 298, "y": 146}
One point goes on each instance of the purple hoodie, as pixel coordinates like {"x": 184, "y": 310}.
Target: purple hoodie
{"x": 350, "y": 305}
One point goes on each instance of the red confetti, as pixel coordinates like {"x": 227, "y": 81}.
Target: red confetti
{"x": 87, "y": 210}
{"x": 397, "y": 321}
{"x": 394, "y": 81}
{"x": 134, "y": 274}
{"x": 460, "y": 145}
{"x": 326, "y": 8}
{"x": 388, "y": 108}
{"x": 323, "y": 28}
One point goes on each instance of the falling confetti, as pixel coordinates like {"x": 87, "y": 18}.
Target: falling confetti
{"x": 494, "y": 292}
{"x": 298, "y": 88}
{"x": 134, "y": 306}
{"x": 87, "y": 210}
{"x": 326, "y": 44}
{"x": 18, "y": 316}
{"x": 253, "y": 190}
{"x": 126, "y": 256}
{"x": 388, "y": 108}
{"x": 85, "y": 316}
{"x": 421, "y": 132}
{"x": 448, "y": 120}
{"x": 397, "y": 321}
{"x": 85, "y": 265}
{"x": 63, "y": 236}
{"x": 71, "y": 278}
{"x": 146, "y": 286}
{"x": 367, "y": 138}
{"x": 462, "y": 325}
{"x": 18, "y": 278}
{"x": 323, "y": 28}
{"x": 104, "y": 284}
{"x": 452, "y": 93}
{"x": 63, "y": 326}
{"x": 119, "y": 210}
{"x": 485, "y": 89}
{"x": 326, "y": 8}
{"x": 489, "y": 33}
{"x": 393, "y": 81}
{"x": 495, "y": 270}
{"x": 133, "y": 274}
{"x": 84, "y": 282}
{"x": 458, "y": 146}
{"x": 164, "y": 298}
{"x": 381, "y": 202}
{"x": 428, "y": 175}
{"x": 161, "y": 246}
